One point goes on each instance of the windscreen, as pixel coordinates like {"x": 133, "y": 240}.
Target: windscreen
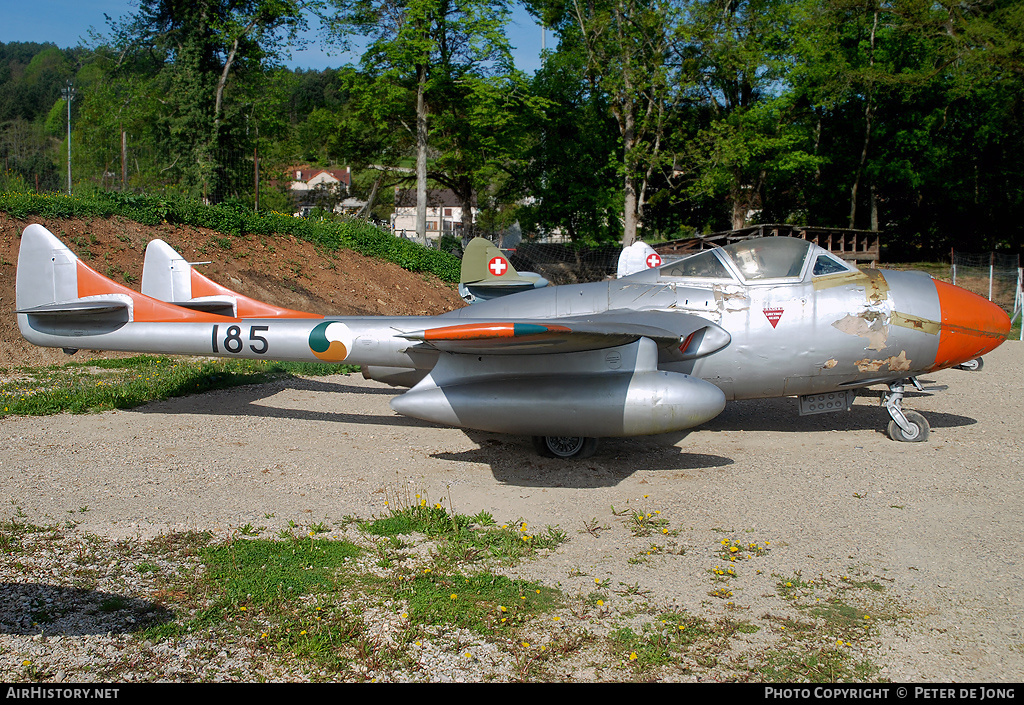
{"x": 769, "y": 257}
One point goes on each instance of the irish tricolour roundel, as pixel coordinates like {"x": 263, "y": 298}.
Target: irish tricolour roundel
{"x": 330, "y": 341}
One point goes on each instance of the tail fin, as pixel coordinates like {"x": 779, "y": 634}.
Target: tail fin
{"x": 167, "y": 276}
{"x": 638, "y": 257}
{"x": 487, "y": 273}
{"x": 54, "y": 284}
{"x": 47, "y": 270}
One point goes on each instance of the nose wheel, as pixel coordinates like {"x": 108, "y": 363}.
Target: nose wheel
{"x": 906, "y": 426}
{"x": 974, "y": 365}
{"x": 565, "y": 446}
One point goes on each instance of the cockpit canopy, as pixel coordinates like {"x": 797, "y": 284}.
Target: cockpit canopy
{"x": 756, "y": 260}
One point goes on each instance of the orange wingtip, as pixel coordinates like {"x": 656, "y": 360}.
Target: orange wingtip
{"x": 145, "y": 308}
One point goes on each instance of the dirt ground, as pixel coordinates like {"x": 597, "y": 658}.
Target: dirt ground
{"x": 936, "y": 525}
{"x": 283, "y": 271}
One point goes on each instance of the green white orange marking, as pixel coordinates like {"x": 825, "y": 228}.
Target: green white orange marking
{"x": 330, "y": 341}
{"x": 484, "y": 331}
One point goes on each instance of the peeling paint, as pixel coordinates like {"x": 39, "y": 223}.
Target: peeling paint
{"x": 868, "y": 325}
{"x": 829, "y": 364}
{"x": 876, "y": 289}
{"x": 906, "y": 320}
{"x": 896, "y": 363}
{"x": 731, "y": 298}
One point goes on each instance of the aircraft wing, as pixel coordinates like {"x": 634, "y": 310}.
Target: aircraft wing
{"x": 690, "y": 336}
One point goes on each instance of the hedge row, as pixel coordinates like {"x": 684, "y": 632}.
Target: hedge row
{"x": 356, "y": 235}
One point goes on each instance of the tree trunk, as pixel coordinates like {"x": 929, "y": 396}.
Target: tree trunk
{"x": 421, "y": 155}
{"x": 869, "y": 114}
{"x": 372, "y": 198}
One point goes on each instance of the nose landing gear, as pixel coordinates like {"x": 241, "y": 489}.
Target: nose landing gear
{"x": 906, "y": 426}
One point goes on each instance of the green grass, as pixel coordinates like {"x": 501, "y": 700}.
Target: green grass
{"x": 262, "y": 572}
{"x": 306, "y": 597}
{"x": 463, "y": 538}
{"x": 318, "y": 604}
{"x": 100, "y": 385}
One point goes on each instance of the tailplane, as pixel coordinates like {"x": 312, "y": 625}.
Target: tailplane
{"x": 54, "y": 284}
{"x": 488, "y": 274}
{"x": 168, "y": 276}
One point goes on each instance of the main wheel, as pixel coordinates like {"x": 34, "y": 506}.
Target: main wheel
{"x": 920, "y": 430}
{"x": 565, "y": 446}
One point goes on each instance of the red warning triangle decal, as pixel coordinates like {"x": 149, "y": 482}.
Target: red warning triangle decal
{"x": 773, "y": 315}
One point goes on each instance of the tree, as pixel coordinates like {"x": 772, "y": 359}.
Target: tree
{"x": 751, "y": 137}
{"x": 200, "y": 49}
{"x": 568, "y": 176}
{"x": 627, "y": 51}
{"x": 426, "y": 58}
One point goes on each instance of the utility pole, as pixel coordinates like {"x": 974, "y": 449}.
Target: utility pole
{"x": 69, "y": 95}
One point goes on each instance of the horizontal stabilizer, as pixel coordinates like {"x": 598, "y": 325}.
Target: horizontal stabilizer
{"x": 78, "y": 308}
{"x": 168, "y": 276}
{"x": 487, "y": 273}
{"x": 54, "y": 285}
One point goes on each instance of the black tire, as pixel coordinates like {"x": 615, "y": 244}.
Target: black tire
{"x": 896, "y": 433}
{"x": 565, "y": 447}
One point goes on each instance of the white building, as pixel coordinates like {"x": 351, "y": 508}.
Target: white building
{"x": 444, "y": 213}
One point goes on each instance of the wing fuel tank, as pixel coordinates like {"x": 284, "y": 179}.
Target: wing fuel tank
{"x": 621, "y": 394}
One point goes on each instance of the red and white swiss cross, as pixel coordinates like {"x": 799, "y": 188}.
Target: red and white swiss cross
{"x": 653, "y": 260}
{"x": 498, "y": 266}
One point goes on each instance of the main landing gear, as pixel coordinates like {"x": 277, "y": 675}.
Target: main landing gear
{"x": 565, "y": 446}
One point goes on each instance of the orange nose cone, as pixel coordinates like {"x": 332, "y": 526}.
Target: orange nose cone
{"x": 971, "y": 326}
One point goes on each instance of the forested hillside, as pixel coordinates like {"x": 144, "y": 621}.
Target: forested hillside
{"x": 649, "y": 118}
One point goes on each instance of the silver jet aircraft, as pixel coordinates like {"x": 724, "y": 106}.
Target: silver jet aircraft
{"x": 657, "y": 351}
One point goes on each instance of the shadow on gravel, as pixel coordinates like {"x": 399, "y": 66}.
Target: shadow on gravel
{"x": 34, "y": 608}
{"x": 250, "y": 400}
{"x": 513, "y": 461}
{"x": 781, "y": 415}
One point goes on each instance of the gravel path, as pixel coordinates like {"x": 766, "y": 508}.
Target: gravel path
{"x": 936, "y": 523}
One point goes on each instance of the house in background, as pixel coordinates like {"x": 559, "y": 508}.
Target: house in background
{"x": 328, "y": 189}
{"x": 444, "y": 213}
